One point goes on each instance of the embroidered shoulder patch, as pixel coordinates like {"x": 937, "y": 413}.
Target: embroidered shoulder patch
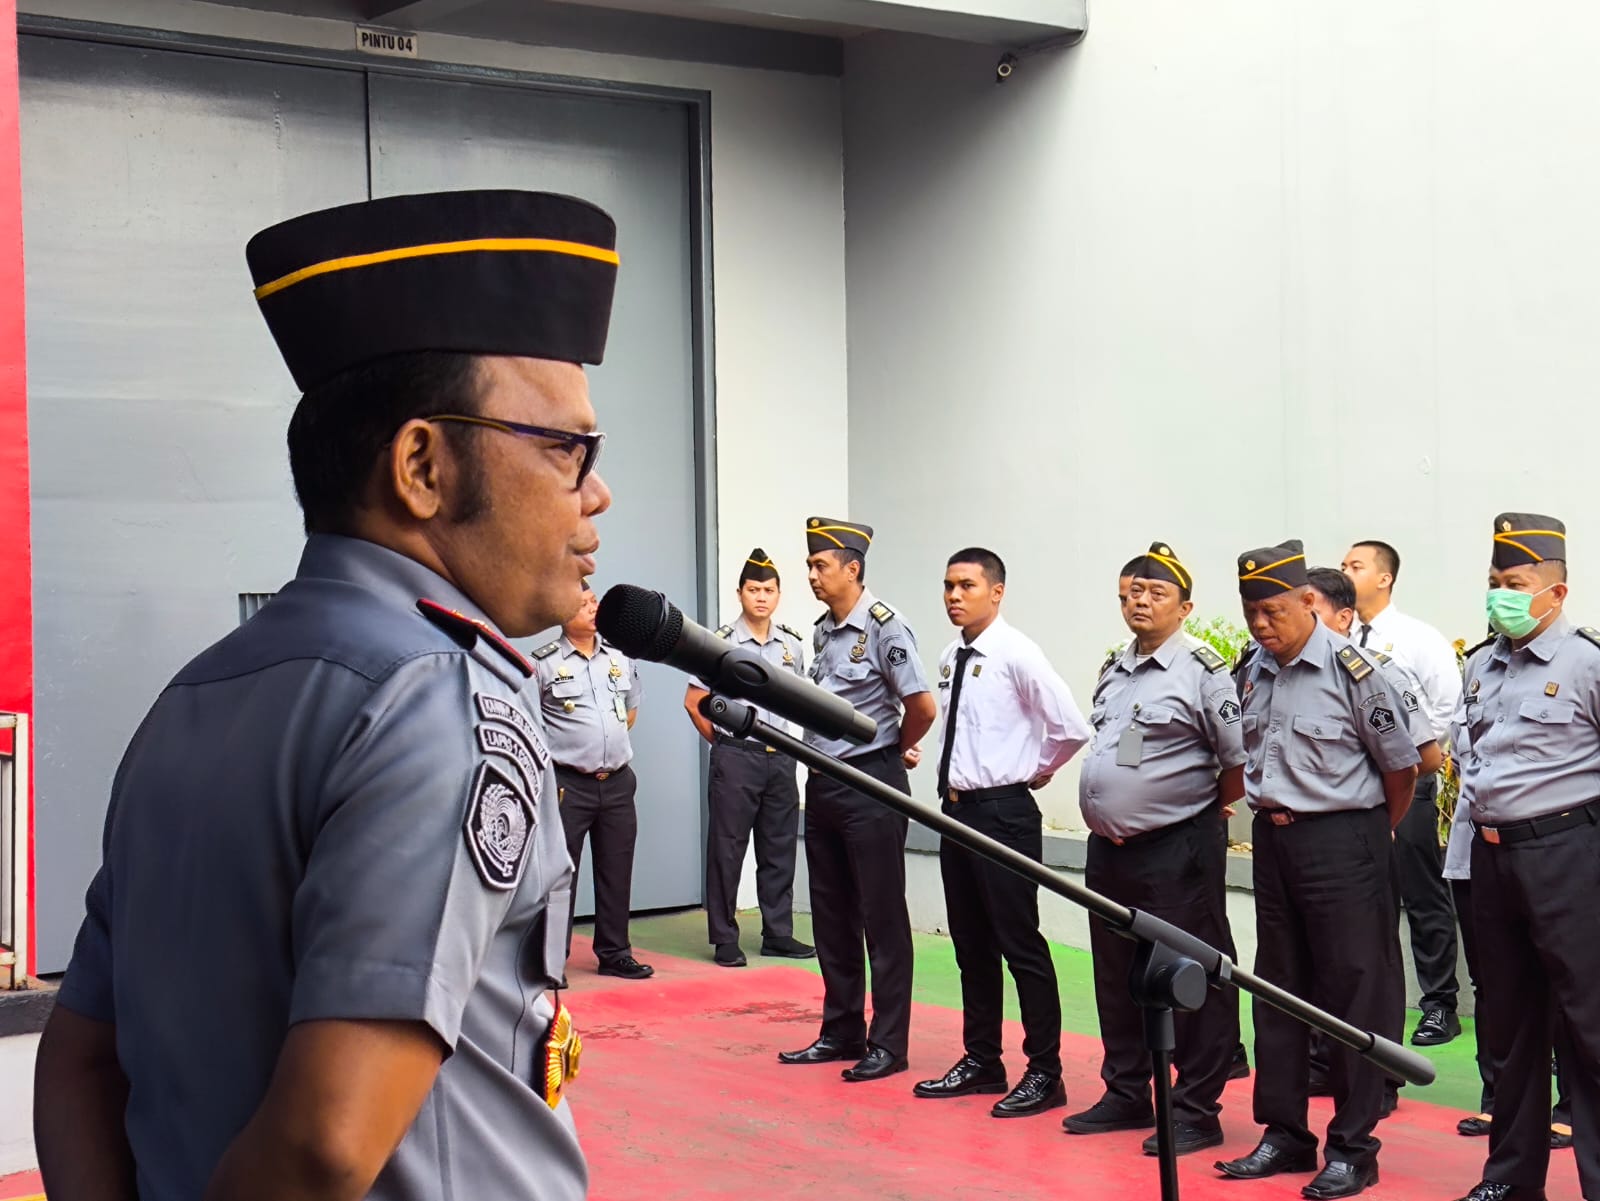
{"x": 467, "y": 630}
{"x": 509, "y": 745}
{"x": 499, "y": 828}
{"x": 1350, "y": 659}
{"x": 1381, "y": 719}
{"x": 1209, "y": 659}
{"x": 494, "y": 708}
{"x": 1408, "y": 700}
{"x": 1229, "y": 712}
{"x": 898, "y": 656}
{"x": 880, "y": 612}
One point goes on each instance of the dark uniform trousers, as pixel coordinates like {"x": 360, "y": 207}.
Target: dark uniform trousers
{"x": 1179, "y": 874}
{"x": 1326, "y": 929}
{"x": 1533, "y": 918}
{"x": 602, "y": 809}
{"x": 751, "y": 789}
{"x": 856, "y": 858}
{"x": 993, "y": 913}
{"x": 1419, "y": 867}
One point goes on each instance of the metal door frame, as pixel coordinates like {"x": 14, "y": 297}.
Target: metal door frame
{"x": 698, "y": 104}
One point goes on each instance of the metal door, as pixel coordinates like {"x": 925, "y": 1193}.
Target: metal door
{"x": 632, "y": 158}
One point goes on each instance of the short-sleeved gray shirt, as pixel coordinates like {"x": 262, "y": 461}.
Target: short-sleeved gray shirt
{"x": 1316, "y": 738}
{"x": 579, "y": 698}
{"x": 336, "y": 812}
{"x": 783, "y": 648}
{"x": 1178, "y": 714}
{"x": 869, "y": 660}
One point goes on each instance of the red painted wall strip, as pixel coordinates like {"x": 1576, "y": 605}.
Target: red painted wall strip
{"x": 16, "y": 564}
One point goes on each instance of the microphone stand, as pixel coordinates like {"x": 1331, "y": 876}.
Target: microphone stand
{"x": 1171, "y": 968}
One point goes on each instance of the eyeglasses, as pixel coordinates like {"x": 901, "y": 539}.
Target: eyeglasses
{"x": 589, "y": 443}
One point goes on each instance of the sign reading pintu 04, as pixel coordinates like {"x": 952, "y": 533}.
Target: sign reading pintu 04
{"x": 386, "y": 42}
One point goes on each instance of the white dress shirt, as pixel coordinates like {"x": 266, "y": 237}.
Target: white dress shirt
{"x": 1426, "y": 651}
{"x": 1017, "y": 720}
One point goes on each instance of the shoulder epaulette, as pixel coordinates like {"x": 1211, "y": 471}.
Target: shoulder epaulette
{"x": 724, "y": 631}
{"x": 1473, "y": 650}
{"x": 795, "y": 634}
{"x": 548, "y": 649}
{"x": 1111, "y": 658}
{"x": 466, "y": 631}
{"x": 821, "y": 618}
{"x": 1209, "y": 659}
{"x": 1379, "y": 656}
{"x": 880, "y": 612}
{"x": 1350, "y": 659}
{"x": 1589, "y": 633}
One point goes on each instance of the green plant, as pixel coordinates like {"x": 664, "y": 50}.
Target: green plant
{"x": 1220, "y": 634}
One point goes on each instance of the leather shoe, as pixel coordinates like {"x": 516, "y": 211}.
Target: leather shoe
{"x": 1437, "y": 1027}
{"x": 1476, "y": 1126}
{"x": 1187, "y": 1138}
{"x": 967, "y": 1077}
{"x": 1240, "y": 1068}
{"x": 788, "y": 948}
{"x": 1341, "y": 1180}
{"x": 1493, "y": 1190}
{"x": 627, "y": 967}
{"x": 1560, "y": 1136}
{"x": 824, "y": 1050}
{"x": 1267, "y": 1160}
{"x": 1105, "y": 1117}
{"x": 729, "y": 955}
{"x": 1035, "y": 1093}
{"x": 875, "y": 1065}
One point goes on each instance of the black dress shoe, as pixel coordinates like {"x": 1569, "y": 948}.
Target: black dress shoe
{"x": 1437, "y": 1027}
{"x": 1476, "y": 1126}
{"x": 1105, "y": 1117}
{"x": 729, "y": 955}
{"x": 1187, "y": 1138}
{"x": 1560, "y": 1136}
{"x": 1035, "y": 1093}
{"x": 1493, "y": 1190}
{"x": 825, "y": 1050}
{"x": 1267, "y": 1160}
{"x": 1240, "y": 1068}
{"x": 967, "y": 1077}
{"x": 627, "y": 967}
{"x": 788, "y": 948}
{"x": 875, "y": 1065}
{"x": 1341, "y": 1180}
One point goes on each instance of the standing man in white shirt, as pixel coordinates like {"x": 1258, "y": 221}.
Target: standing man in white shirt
{"x": 1373, "y": 567}
{"x": 1010, "y": 723}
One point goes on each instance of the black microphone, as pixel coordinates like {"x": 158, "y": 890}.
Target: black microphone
{"x": 646, "y": 625}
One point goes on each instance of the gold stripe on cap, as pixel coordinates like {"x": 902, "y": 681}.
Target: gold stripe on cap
{"x": 760, "y": 562}
{"x": 475, "y": 245}
{"x": 1184, "y": 577}
{"x": 849, "y": 529}
{"x": 1509, "y": 540}
{"x": 1261, "y": 573}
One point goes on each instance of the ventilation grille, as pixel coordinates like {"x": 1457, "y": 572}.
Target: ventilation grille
{"x": 250, "y": 604}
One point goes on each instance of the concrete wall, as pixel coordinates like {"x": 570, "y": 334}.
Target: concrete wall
{"x": 1222, "y": 274}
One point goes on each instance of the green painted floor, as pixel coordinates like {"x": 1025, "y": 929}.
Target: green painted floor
{"x": 937, "y": 983}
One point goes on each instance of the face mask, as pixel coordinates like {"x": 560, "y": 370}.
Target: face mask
{"x": 1509, "y": 611}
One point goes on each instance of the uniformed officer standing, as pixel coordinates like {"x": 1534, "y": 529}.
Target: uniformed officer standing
{"x": 321, "y": 941}
{"x": 752, "y": 787}
{"x": 1167, "y": 756}
{"x": 1329, "y": 770}
{"x": 1533, "y": 716}
{"x": 589, "y": 695}
{"x": 856, "y": 848}
{"x": 1010, "y": 724}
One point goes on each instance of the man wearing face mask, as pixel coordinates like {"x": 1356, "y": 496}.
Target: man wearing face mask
{"x": 1532, "y": 705}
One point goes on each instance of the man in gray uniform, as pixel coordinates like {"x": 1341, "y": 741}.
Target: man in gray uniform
{"x": 1329, "y": 771}
{"x": 855, "y": 847}
{"x": 1533, "y": 717}
{"x": 752, "y": 787}
{"x": 317, "y": 955}
{"x": 589, "y": 695}
{"x": 1166, "y": 757}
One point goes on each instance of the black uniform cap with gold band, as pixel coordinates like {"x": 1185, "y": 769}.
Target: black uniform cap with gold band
{"x": 758, "y": 566}
{"x": 480, "y": 272}
{"x": 1161, "y": 563}
{"x": 1524, "y": 538}
{"x": 829, "y": 533}
{"x": 1272, "y": 570}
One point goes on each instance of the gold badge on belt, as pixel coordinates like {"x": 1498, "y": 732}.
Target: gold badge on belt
{"x": 562, "y": 1050}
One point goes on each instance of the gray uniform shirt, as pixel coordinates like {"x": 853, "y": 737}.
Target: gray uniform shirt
{"x": 870, "y": 663}
{"x": 336, "y": 812}
{"x": 1317, "y": 739}
{"x": 1458, "y": 849}
{"x": 1404, "y": 683}
{"x": 1533, "y": 716}
{"x": 783, "y": 648}
{"x": 1162, "y": 730}
{"x": 586, "y": 702}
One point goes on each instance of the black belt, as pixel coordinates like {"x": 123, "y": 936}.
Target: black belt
{"x": 1538, "y": 827}
{"x": 976, "y": 796}
{"x": 744, "y": 744}
{"x": 592, "y": 775}
{"x": 882, "y": 752}
{"x": 1288, "y": 817}
{"x": 1150, "y": 835}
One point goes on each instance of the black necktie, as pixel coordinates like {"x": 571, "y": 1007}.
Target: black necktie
{"x": 1365, "y": 630}
{"x": 962, "y": 656}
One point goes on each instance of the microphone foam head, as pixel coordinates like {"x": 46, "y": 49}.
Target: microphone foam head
{"x": 640, "y": 623}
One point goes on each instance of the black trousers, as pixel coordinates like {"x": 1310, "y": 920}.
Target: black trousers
{"x": 1533, "y": 918}
{"x": 856, "y": 857}
{"x": 751, "y": 790}
{"x": 1177, "y": 874}
{"x": 603, "y": 810}
{"x": 1325, "y": 929}
{"x": 994, "y": 914}
{"x": 1419, "y": 865}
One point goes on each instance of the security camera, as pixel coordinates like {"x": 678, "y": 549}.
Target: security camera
{"x": 1003, "y": 69}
